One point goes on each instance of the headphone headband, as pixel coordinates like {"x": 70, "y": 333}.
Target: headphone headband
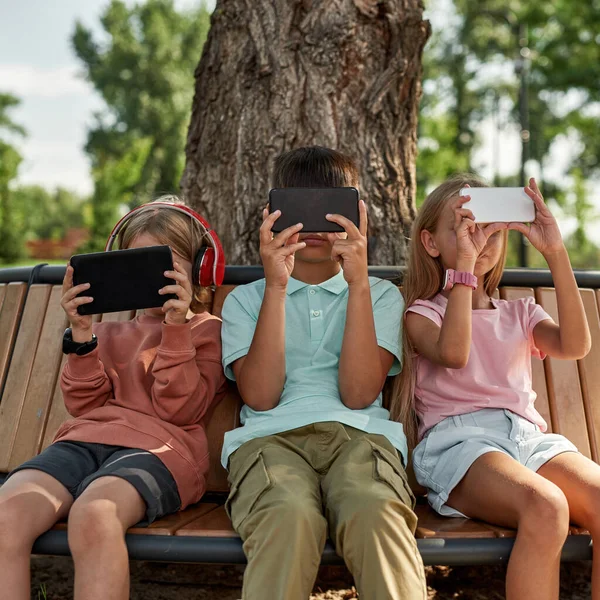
{"x": 218, "y": 266}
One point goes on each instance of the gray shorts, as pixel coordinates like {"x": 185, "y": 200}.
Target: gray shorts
{"x": 77, "y": 464}
{"x": 448, "y": 450}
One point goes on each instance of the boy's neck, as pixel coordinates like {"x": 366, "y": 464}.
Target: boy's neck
{"x": 315, "y": 273}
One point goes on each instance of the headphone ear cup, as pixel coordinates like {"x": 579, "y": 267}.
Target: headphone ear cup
{"x": 203, "y": 266}
{"x": 197, "y": 266}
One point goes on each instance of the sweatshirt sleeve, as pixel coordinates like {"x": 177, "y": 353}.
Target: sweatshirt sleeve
{"x": 187, "y": 371}
{"x": 84, "y": 383}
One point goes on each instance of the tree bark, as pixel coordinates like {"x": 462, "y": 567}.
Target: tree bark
{"x": 279, "y": 74}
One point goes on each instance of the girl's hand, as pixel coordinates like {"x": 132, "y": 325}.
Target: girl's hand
{"x": 543, "y": 233}
{"x": 81, "y": 325}
{"x": 176, "y": 309}
{"x": 352, "y": 251}
{"x": 471, "y": 237}
{"x": 277, "y": 252}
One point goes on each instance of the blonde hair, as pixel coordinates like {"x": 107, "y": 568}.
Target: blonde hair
{"x": 422, "y": 280}
{"x": 171, "y": 228}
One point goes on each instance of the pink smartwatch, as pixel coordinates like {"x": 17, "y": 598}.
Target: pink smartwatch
{"x": 463, "y": 277}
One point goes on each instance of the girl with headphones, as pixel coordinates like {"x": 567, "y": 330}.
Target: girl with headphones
{"x": 139, "y": 392}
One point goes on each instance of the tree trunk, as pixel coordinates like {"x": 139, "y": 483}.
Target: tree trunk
{"x": 279, "y": 74}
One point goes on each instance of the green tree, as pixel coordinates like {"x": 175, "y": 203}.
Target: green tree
{"x": 475, "y": 57}
{"x": 11, "y": 244}
{"x": 45, "y": 214}
{"x": 144, "y": 72}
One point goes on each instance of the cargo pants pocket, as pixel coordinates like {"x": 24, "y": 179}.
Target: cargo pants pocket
{"x": 249, "y": 484}
{"x": 391, "y": 472}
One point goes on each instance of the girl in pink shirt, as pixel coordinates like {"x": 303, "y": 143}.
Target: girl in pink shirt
{"x": 483, "y": 452}
{"x": 139, "y": 393}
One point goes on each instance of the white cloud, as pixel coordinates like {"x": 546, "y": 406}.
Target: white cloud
{"x": 54, "y": 163}
{"x": 28, "y": 80}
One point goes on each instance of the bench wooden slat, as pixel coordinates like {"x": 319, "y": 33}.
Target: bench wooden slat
{"x": 589, "y": 372}
{"x": 214, "y": 524}
{"x": 564, "y": 390}
{"x": 10, "y": 312}
{"x": 225, "y": 417}
{"x": 167, "y": 525}
{"x": 38, "y": 398}
{"x": 20, "y": 369}
{"x": 57, "y": 413}
{"x": 538, "y": 374}
{"x": 2, "y": 293}
{"x": 432, "y": 525}
{"x": 171, "y": 523}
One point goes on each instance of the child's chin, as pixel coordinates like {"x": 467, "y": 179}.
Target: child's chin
{"x": 483, "y": 268}
{"x": 314, "y": 254}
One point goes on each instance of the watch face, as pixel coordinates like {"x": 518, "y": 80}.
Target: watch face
{"x": 448, "y": 280}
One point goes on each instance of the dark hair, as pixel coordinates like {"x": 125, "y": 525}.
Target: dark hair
{"x": 314, "y": 166}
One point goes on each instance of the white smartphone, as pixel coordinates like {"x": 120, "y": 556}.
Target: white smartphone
{"x": 499, "y": 205}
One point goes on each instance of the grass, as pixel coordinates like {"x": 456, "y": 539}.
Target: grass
{"x": 30, "y": 262}
{"x": 42, "y": 594}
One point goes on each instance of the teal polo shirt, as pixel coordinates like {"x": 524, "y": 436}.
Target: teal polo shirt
{"x": 315, "y": 317}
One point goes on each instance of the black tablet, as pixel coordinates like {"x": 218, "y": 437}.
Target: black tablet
{"x": 310, "y": 205}
{"x": 123, "y": 279}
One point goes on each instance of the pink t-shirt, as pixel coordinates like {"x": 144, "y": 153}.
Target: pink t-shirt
{"x": 498, "y": 373}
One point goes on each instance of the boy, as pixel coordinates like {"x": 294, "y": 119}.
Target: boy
{"x": 310, "y": 347}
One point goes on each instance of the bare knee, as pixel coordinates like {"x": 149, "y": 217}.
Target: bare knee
{"x": 545, "y": 515}
{"x": 18, "y": 527}
{"x": 93, "y": 525}
{"x": 15, "y": 535}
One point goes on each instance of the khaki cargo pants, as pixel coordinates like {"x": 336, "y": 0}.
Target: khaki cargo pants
{"x": 290, "y": 490}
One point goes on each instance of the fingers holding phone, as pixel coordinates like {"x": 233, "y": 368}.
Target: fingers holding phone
{"x": 277, "y": 251}
{"x": 543, "y": 232}
{"x": 176, "y": 310}
{"x": 351, "y": 252}
{"x": 471, "y": 237}
{"x": 81, "y": 325}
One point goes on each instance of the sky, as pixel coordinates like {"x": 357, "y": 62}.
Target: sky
{"x": 38, "y": 65}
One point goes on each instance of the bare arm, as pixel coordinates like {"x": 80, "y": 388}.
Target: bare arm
{"x": 260, "y": 374}
{"x": 571, "y": 339}
{"x": 363, "y": 365}
{"x": 450, "y": 344}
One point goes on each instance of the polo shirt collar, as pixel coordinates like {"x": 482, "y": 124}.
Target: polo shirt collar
{"x": 336, "y": 285}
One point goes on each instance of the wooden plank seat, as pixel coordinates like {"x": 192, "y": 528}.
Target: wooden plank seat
{"x": 32, "y": 409}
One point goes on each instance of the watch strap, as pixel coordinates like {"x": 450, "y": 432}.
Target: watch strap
{"x": 70, "y": 346}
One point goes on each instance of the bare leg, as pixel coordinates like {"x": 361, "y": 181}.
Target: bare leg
{"x": 579, "y": 479}
{"x": 31, "y": 501}
{"x": 97, "y": 525}
{"x": 499, "y": 490}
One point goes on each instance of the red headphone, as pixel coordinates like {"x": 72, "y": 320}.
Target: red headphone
{"x": 209, "y": 263}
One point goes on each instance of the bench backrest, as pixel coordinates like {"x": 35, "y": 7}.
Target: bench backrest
{"x": 32, "y": 407}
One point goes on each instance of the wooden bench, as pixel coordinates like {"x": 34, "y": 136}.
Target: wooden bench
{"x": 31, "y": 410}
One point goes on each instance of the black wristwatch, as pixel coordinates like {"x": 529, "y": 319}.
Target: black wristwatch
{"x": 79, "y": 348}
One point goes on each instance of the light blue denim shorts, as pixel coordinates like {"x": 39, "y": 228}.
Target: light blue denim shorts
{"x": 448, "y": 450}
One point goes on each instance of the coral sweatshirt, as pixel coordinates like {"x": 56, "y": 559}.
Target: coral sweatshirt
{"x": 149, "y": 385}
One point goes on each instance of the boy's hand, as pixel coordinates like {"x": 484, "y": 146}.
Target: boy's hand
{"x": 277, "y": 252}
{"x": 176, "y": 310}
{"x": 81, "y": 325}
{"x": 543, "y": 233}
{"x": 351, "y": 252}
